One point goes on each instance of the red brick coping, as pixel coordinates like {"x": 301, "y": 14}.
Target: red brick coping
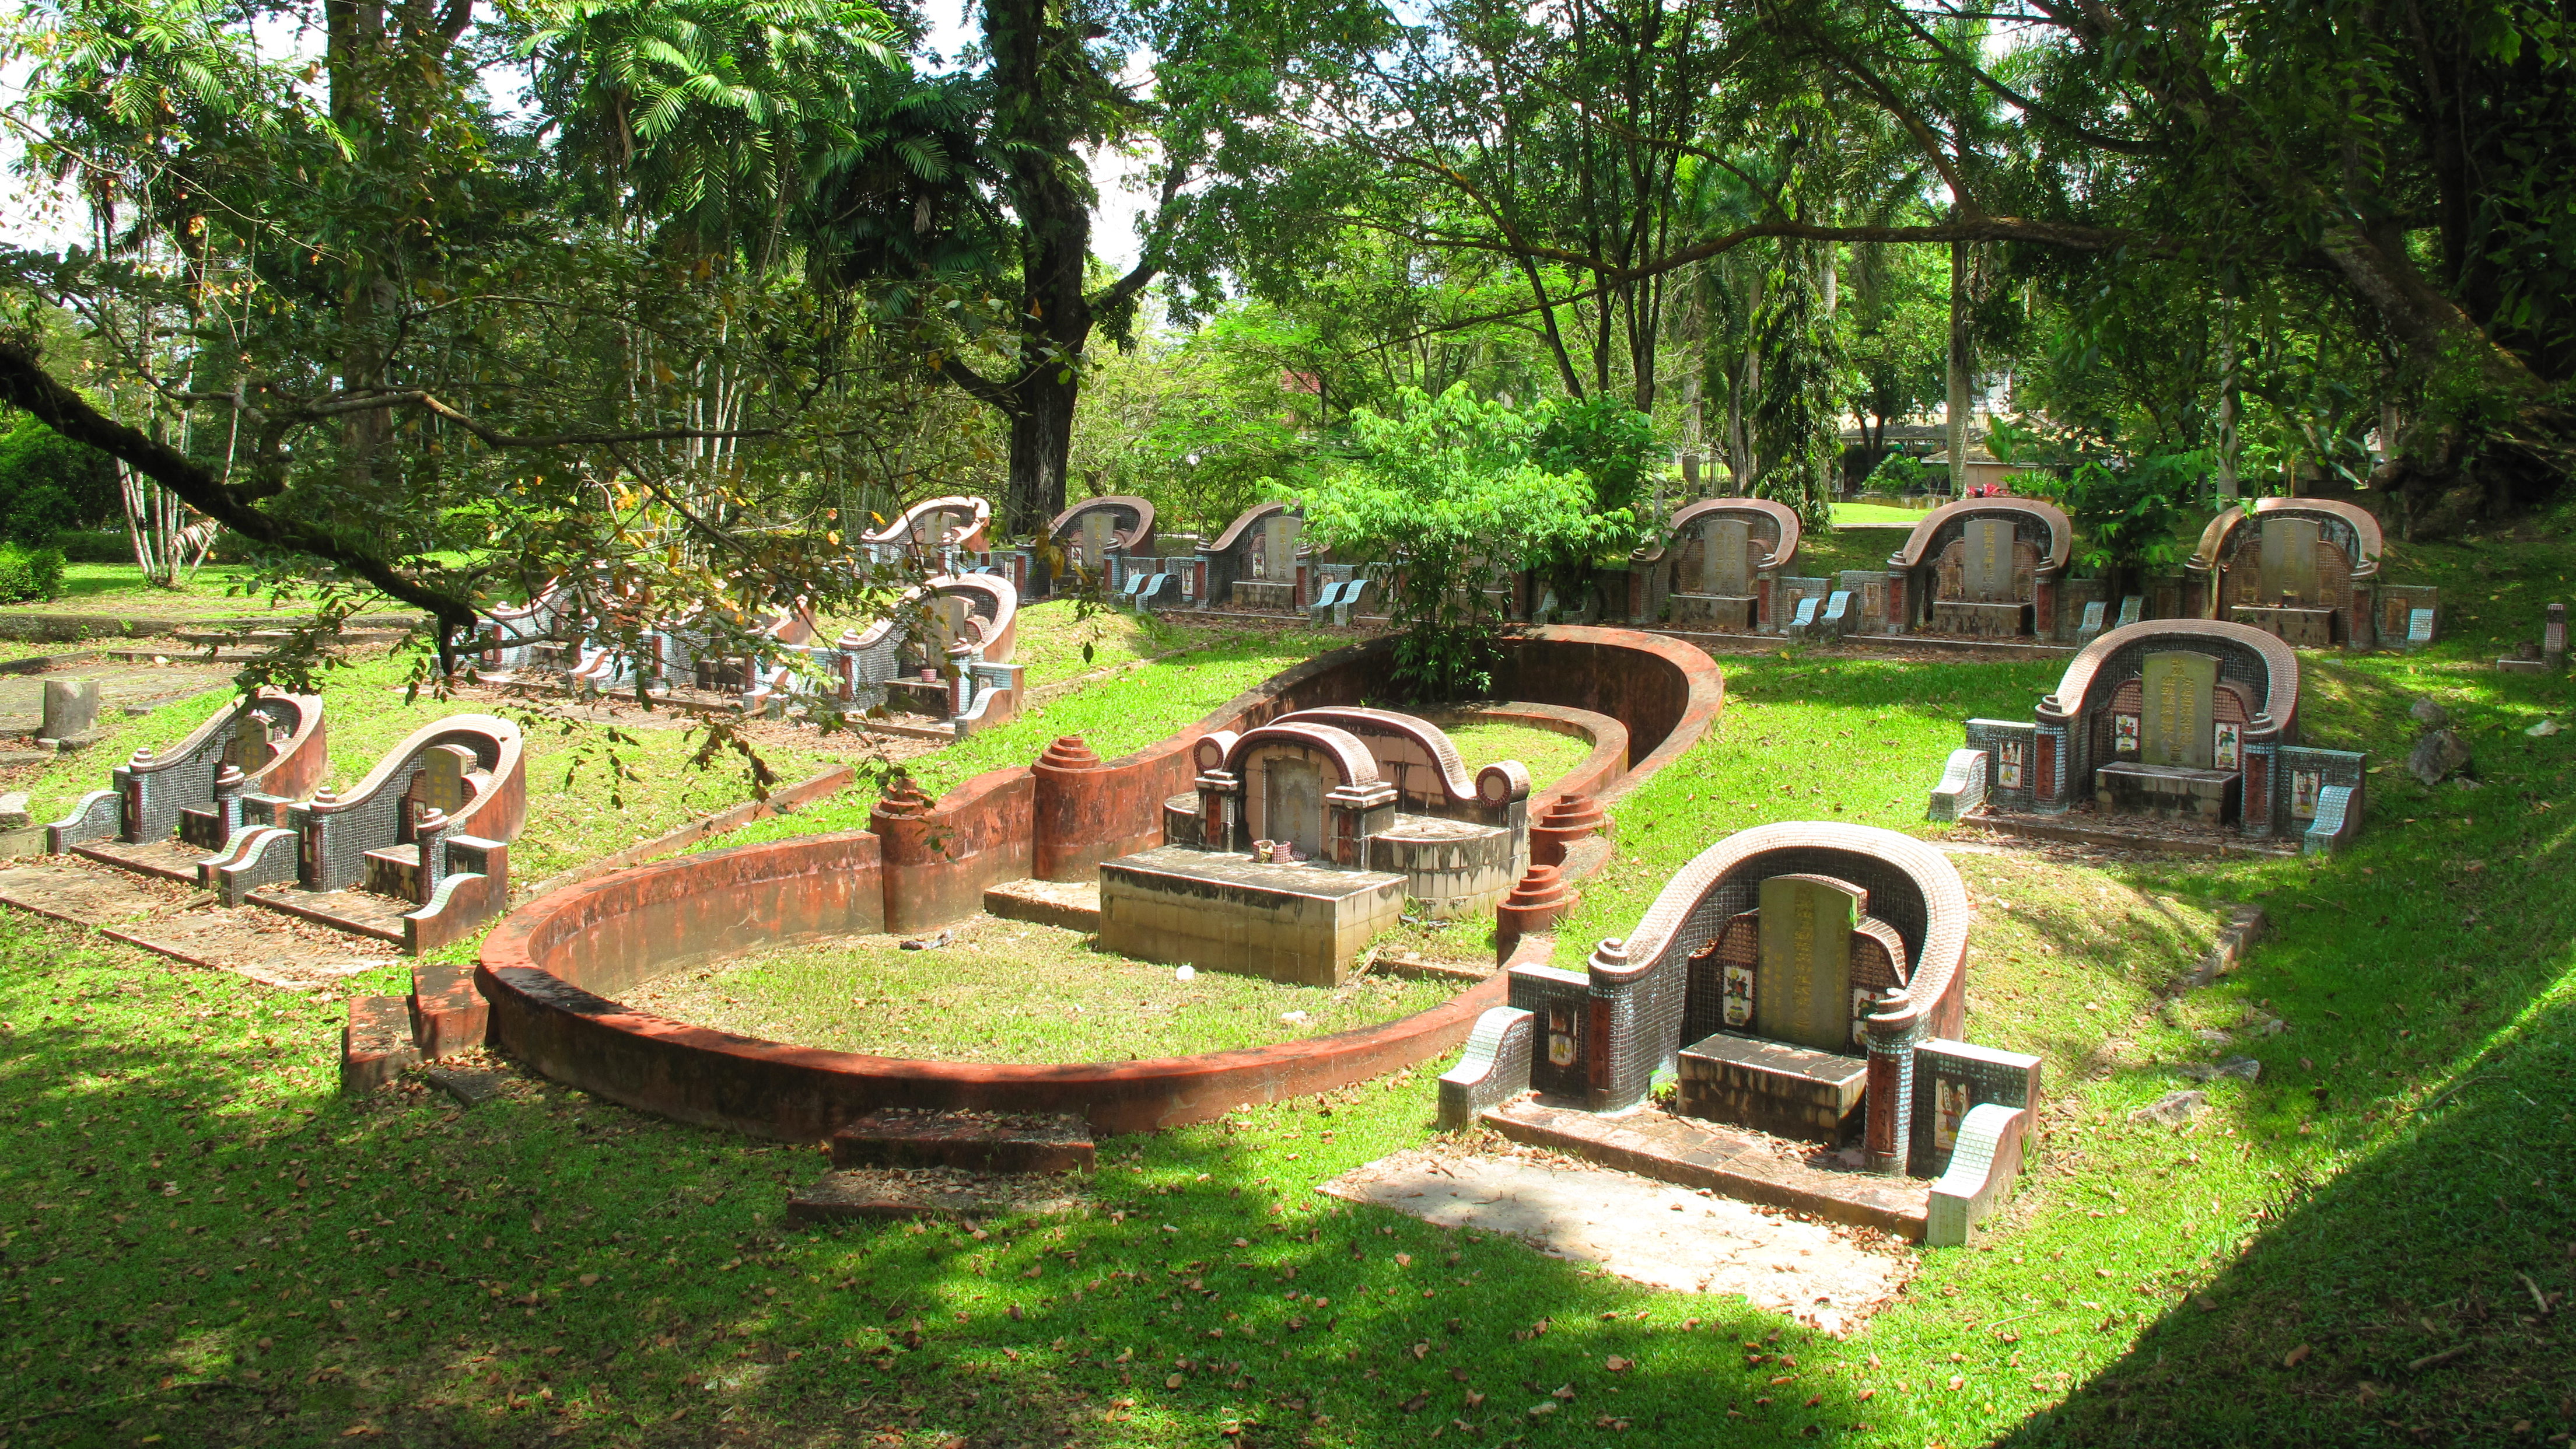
{"x": 2061, "y": 534}
{"x": 551, "y": 971}
{"x": 2280, "y": 665}
{"x": 2364, "y": 525}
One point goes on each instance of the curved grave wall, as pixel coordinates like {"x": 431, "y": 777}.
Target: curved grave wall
{"x": 551, "y": 970}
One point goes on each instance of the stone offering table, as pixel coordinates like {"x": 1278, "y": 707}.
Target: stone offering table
{"x": 1774, "y": 1087}
{"x": 2169, "y": 790}
{"x": 1302, "y": 924}
{"x": 2300, "y": 628}
{"x": 1980, "y": 621}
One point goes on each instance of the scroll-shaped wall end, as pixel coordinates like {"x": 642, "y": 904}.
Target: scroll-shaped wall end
{"x": 1984, "y": 1167}
{"x": 1503, "y": 782}
{"x": 1962, "y": 790}
{"x": 1493, "y": 1069}
{"x": 1212, "y": 748}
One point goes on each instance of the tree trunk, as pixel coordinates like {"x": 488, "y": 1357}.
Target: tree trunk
{"x": 1961, "y": 362}
{"x": 2228, "y": 402}
{"x": 1041, "y": 444}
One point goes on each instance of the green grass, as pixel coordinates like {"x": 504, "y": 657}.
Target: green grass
{"x": 1850, "y": 513}
{"x": 1049, "y": 640}
{"x": 1009, "y": 991}
{"x": 1482, "y": 742}
{"x": 2346, "y": 1251}
{"x": 1119, "y": 715}
{"x": 92, "y": 588}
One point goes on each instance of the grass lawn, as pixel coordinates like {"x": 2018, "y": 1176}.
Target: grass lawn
{"x": 1482, "y": 742}
{"x": 1009, "y": 991}
{"x": 2374, "y": 1243}
{"x": 92, "y": 588}
{"x": 1850, "y": 513}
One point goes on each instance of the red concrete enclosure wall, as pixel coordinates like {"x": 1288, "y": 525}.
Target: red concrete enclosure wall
{"x": 551, "y": 971}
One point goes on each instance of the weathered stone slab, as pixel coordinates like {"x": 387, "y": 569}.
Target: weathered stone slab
{"x": 865, "y": 1193}
{"x": 971, "y": 1141}
{"x": 1738, "y": 1163}
{"x": 1647, "y": 1231}
{"x": 68, "y": 893}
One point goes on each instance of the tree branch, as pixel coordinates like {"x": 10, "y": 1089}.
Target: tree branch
{"x": 26, "y": 385}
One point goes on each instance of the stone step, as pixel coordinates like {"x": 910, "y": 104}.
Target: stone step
{"x": 971, "y": 1141}
{"x": 1074, "y": 905}
{"x": 1747, "y": 1166}
{"x": 877, "y": 1193}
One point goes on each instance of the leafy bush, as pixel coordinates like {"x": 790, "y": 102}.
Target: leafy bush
{"x": 29, "y": 573}
{"x": 1900, "y": 474}
{"x": 1447, "y": 489}
{"x": 50, "y": 484}
{"x": 1606, "y": 441}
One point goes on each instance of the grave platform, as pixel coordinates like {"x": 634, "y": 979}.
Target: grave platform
{"x": 1773, "y": 1086}
{"x": 1713, "y": 611}
{"x": 166, "y": 859}
{"x": 2089, "y": 825}
{"x": 870, "y": 1193}
{"x": 358, "y": 912}
{"x": 2170, "y": 791}
{"x": 1265, "y": 594}
{"x": 2298, "y": 627}
{"x": 1980, "y": 620}
{"x": 1301, "y": 924}
{"x": 1736, "y": 1162}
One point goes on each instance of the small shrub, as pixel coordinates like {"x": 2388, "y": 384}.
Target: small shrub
{"x": 29, "y": 573}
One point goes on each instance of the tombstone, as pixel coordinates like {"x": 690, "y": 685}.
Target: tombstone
{"x": 2419, "y": 627}
{"x": 1092, "y": 540}
{"x": 2092, "y": 625}
{"x": 2180, "y": 691}
{"x": 2132, "y": 609}
{"x": 1726, "y": 549}
{"x": 1292, "y": 803}
{"x": 1986, "y": 563}
{"x": 1805, "y": 997}
{"x": 1279, "y": 547}
{"x": 2289, "y": 561}
{"x": 2553, "y": 638}
{"x": 249, "y": 750}
{"x": 440, "y": 785}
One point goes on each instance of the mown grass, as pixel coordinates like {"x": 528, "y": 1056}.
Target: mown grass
{"x": 1119, "y": 714}
{"x": 1483, "y": 742}
{"x": 2370, "y": 1244}
{"x": 1010, "y": 991}
{"x": 93, "y": 588}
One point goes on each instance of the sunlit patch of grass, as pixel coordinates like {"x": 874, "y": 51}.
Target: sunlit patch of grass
{"x": 1010, "y": 991}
